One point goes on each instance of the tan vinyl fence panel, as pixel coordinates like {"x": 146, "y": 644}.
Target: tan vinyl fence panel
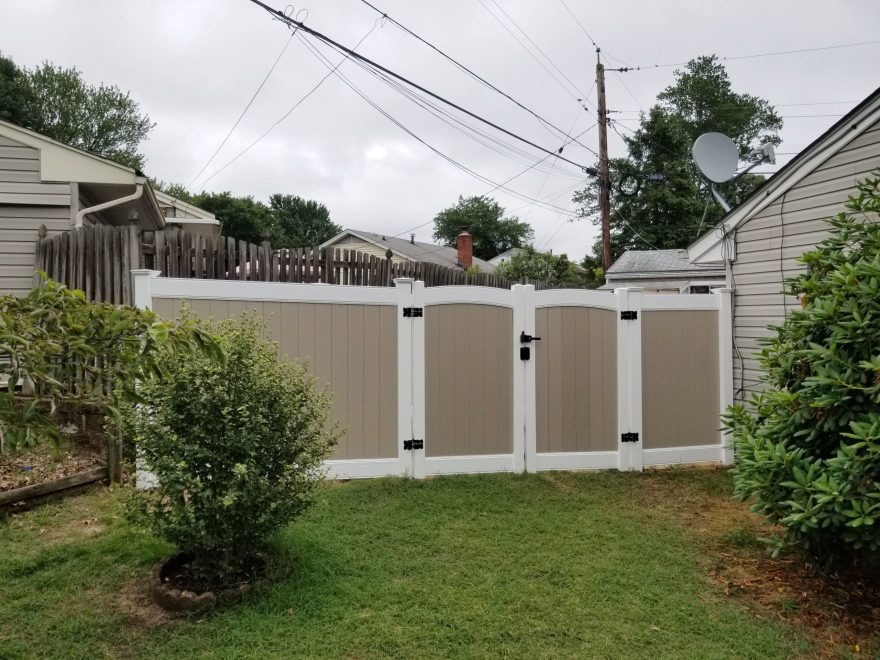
{"x": 468, "y": 380}
{"x": 351, "y": 348}
{"x": 680, "y": 378}
{"x": 576, "y": 379}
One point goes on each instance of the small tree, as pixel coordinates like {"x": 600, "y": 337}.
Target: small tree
{"x": 236, "y": 447}
{"x": 541, "y": 266}
{"x": 808, "y": 447}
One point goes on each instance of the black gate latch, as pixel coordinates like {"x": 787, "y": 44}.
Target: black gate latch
{"x": 525, "y": 339}
{"x": 409, "y": 445}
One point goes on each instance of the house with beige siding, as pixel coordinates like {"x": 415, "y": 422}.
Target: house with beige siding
{"x": 46, "y": 183}
{"x": 758, "y": 243}
{"x": 402, "y": 249}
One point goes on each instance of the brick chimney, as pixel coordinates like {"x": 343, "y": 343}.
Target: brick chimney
{"x": 465, "y": 244}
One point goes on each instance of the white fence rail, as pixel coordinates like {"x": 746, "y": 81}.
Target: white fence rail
{"x": 626, "y": 380}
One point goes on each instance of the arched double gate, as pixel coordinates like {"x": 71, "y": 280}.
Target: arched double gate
{"x": 462, "y": 379}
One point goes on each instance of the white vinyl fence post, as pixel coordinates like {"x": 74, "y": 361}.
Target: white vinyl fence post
{"x": 725, "y": 365}
{"x": 529, "y": 395}
{"x": 404, "y": 374}
{"x": 142, "y": 281}
{"x": 629, "y": 378}
{"x": 418, "y": 379}
{"x": 520, "y": 377}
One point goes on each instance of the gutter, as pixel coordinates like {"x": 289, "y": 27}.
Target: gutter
{"x": 137, "y": 194}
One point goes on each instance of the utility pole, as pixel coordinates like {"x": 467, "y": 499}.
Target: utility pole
{"x": 604, "y": 179}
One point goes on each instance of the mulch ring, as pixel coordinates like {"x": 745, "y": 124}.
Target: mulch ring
{"x": 46, "y": 463}
{"x": 839, "y": 611}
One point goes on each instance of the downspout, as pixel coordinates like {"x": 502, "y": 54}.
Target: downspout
{"x": 137, "y": 194}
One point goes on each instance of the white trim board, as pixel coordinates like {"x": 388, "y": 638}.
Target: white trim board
{"x": 683, "y": 455}
{"x": 366, "y": 468}
{"x": 475, "y": 295}
{"x": 580, "y": 460}
{"x": 436, "y": 465}
{"x": 575, "y": 298}
{"x": 169, "y": 287}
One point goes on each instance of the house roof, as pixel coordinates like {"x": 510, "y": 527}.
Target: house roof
{"x": 650, "y": 263}
{"x": 194, "y": 214}
{"x": 412, "y": 251}
{"x": 708, "y": 247}
{"x": 60, "y": 162}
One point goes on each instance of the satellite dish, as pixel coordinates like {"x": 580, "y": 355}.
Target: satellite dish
{"x": 716, "y": 156}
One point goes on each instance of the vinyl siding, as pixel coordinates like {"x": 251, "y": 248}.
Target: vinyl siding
{"x": 355, "y": 243}
{"x": 769, "y": 244}
{"x": 25, "y": 204}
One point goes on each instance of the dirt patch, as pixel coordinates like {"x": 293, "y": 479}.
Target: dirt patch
{"x": 45, "y": 463}
{"x": 134, "y": 601}
{"x": 840, "y": 612}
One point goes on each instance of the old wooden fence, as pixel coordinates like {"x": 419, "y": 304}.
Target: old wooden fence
{"x": 99, "y": 259}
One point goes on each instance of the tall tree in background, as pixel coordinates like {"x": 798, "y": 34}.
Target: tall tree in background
{"x": 484, "y": 218}
{"x": 550, "y": 268}
{"x": 673, "y": 212}
{"x": 300, "y": 222}
{"x": 59, "y": 103}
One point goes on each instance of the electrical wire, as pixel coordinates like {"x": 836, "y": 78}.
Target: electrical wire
{"x": 544, "y": 122}
{"x": 756, "y": 55}
{"x": 584, "y": 30}
{"x": 577, "y": 97}
{"x": 291, "y": 109}
{"x": 243, "y": 112}
{"x": 351, "y": 53}
{"x": 412, "y": 134}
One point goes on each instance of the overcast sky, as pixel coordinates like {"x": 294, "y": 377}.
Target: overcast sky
{"x": 194, "y": 65}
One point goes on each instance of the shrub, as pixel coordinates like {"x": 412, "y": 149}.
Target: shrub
{"x": 808, "y": 447}
{"x": 58, "y": 351}
{"x": 235, "y": 446}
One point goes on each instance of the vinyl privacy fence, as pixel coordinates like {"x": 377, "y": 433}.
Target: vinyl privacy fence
{"x": 458, "y": 379}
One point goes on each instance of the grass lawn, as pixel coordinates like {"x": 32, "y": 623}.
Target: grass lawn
{"x": 538, "y": 566}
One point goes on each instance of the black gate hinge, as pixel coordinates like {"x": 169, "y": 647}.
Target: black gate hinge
{"x": 629, "y": 315}
{"x": 409, "y": 445}
{"x": 412, "y": 312}
{"x": 629, "y": 437}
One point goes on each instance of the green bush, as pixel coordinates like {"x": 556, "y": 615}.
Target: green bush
{"x": 59, "y": 351}
{"x": 235, "y": 446}
{"x": 808, "y": 446}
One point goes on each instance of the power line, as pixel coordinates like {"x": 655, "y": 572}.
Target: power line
{"x": 281, "y": 16}
{"x": 243, "y": 112}
{"x": 584, "y": 30}
{"x": 412, "y": 134}
{"x": 533, "y": 56}
{"x": 290, "y": 110}
{"x": 470, "y": 72}
{"x": 755, "y": 55}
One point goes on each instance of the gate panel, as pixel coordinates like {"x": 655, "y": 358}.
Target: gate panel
{"x": 468, "y": 380}
{"x": 576, "y": 379}
{"x": 352, "y": 348}
{"x": 680, "y": 378}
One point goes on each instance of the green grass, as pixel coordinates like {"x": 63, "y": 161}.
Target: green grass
{"x": 548, "y": 566}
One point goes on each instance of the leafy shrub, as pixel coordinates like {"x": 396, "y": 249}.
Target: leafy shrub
{"x": 58, "y": 350}
{"x": 235, "y": 446}
{"x": 808, "y": 447}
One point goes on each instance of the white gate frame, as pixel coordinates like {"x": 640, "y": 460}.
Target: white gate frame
{"x": 523, "y": 300}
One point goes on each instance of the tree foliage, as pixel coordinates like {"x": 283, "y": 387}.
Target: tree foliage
{"x": 235, "y": 446}
{"x": 484, "y": 218}
{"x": 64, "y": 351}
{"x": 808, "y": 446}
{"x": 673, "y": 212}
{"x": 59, "y": 103}
{"x": 543, "y": 266}
{"x": 299, "y": 222}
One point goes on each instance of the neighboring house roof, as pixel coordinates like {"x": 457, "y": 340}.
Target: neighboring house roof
{"x": 504, "y": 256}
{"x": 410, "y": 251}
{"x": 102, "y": 177}
{"x": 709, "y": 246}
{"x": 191, "y": 214}
{"x": 634, "y": 264}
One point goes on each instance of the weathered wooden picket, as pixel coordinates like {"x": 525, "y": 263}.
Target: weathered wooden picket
{"x": 98, "y": 259}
